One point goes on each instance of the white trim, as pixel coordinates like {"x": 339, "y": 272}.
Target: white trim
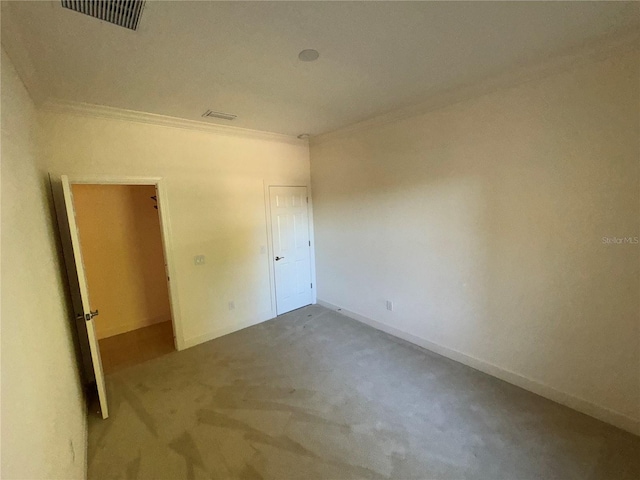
{"x": 598, "y": 49}
{"x": 581, "y": 405}
{"x": 165, "y": 225}
{"x": 226, "y": 330}
{"x": 167, "y": 244}
{"x": 312, "y": 238}
{"x": 91, "y": 110}
{"x": 113, "y": 180}
{"x": 270, "y": 254}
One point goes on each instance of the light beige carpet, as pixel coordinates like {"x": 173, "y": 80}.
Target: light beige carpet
{"x": 315, "y": 395}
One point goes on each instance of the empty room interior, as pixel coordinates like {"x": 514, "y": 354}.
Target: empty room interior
{"x": 320, "y": 240}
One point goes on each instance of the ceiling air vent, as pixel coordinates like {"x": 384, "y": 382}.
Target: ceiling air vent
{"x": 224, "y": 116}
{"x": 125, "y": 13}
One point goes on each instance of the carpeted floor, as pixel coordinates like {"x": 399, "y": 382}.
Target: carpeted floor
{"x": 313, "y": 394}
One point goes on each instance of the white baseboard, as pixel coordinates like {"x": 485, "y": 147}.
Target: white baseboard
{"x": 222, "y": 331}
{"x": 601, "y": 413}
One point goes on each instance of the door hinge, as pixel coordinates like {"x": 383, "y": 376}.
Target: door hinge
{"x": 307, "y": 199}
{"x": 309, "y": 242}
{"x": 312, "y": 285}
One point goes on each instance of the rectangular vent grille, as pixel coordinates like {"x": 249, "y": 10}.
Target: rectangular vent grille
{"x": 125, "y": 13}
{"x": 224, "y": 116}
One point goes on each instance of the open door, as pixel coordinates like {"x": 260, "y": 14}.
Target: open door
{"x": 78, "y": 282}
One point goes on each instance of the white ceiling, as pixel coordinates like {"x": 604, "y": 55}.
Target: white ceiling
{"x": 242, "y": 57}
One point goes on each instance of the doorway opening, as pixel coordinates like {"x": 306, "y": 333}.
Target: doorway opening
{"x": 122, "y": 250}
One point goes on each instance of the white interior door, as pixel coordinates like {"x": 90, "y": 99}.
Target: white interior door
{"x": 80, "y": 291}
{"x": 291, "y": 247}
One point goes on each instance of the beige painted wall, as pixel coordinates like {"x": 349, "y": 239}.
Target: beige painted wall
{"x": 123, "y": 258}
{"x": 43, "y": 412}
{"x": 215, "y": 199}
{"x": 484, "y": 222}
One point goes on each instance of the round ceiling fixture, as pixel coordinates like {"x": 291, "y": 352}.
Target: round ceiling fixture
{"x": 304, "y": 136}
{"x": 309, "y": 55}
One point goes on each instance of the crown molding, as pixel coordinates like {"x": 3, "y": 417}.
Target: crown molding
{"x": 100, "y": 111}
{"x": 599, "y": 49}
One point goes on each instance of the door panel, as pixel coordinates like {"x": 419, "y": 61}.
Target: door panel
{"x": 80, "y": 293}
{"x": 290, "y": 233}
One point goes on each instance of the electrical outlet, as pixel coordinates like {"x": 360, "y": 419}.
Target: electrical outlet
{"x": 390, "y": 305}
{"x": 232, "y": 305}
{"x": 198, "y": 260}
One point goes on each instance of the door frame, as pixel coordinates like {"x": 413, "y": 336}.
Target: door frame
{"x": 165, "y": 234}
{"x": 270, "y": 252}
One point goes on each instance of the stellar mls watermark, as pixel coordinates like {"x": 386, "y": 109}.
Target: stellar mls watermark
{"x": 620, "y": 240}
